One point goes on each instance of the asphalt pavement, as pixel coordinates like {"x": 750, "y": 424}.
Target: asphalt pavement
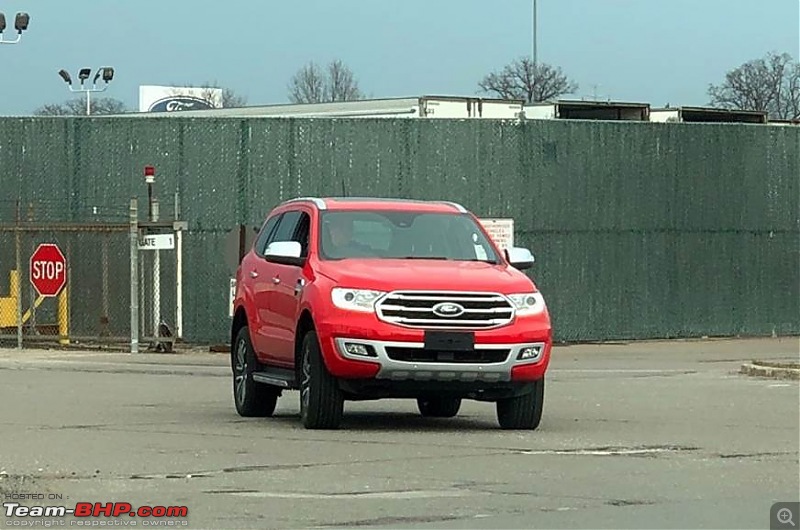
{"x": 641, "y": 435}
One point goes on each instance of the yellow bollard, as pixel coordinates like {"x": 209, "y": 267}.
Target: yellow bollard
{"x": 8, "y": 304}
{"x": 63, "y": 316}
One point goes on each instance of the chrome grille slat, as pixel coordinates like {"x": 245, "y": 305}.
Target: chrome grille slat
{"x": 415, "y": 309}
{"x": 451, "y": 298}
{"x": 427, "y": 310}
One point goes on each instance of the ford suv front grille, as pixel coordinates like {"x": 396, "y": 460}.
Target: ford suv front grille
{"x": 445, "y": 310}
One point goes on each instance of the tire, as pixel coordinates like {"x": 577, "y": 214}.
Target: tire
{"x": 438, "y": 407}
{"x": 252, "y": 400}
{"x": 321, "y": 400}
{"x": 523, "y": 412}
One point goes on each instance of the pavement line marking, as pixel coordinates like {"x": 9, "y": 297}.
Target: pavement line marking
{"x": 417, "y": 494}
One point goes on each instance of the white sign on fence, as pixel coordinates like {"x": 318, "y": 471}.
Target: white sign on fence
{"x": 501, "y": 230}
{"x": 157, "y": 242}
{"x": 231, "y": 297}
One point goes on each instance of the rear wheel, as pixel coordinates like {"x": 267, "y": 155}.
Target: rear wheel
{"x": 252, "y": 399}
{"x": 522, "y": 412}
{"x": 439, "y": 407}
{"x": 321, "y": 400}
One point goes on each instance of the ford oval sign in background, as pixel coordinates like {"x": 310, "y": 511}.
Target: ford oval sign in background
{"x": 178, "y": 103}
{"x": 176, "y": 99}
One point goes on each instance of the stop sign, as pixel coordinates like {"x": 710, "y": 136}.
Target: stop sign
{"x": 48, "y": 271}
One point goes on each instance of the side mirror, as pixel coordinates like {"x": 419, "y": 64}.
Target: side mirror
{"x": 520, "y": 258}
{"x": 285, "y": 253}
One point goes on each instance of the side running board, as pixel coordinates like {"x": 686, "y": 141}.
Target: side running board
{"x": 280, "y": 377}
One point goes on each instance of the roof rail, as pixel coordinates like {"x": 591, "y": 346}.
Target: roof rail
{"x": 319, "y": 203}
{"x": 456, "y": 206}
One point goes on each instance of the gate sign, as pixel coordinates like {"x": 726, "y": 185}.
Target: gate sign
{"x": 48, "y": 270}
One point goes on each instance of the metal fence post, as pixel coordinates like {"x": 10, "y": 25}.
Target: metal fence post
{"x": 18, "y": 250}
{"x": 178, "y": 271}
{"x": 134, "y": 242}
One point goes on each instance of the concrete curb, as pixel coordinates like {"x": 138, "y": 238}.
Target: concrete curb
{"x": 771, "y": 370}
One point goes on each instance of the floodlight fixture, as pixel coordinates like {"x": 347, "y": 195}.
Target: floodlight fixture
{"x": 21, "y": 22}
{"x": 106, "y": 72}
{"x": 65, "y": 76}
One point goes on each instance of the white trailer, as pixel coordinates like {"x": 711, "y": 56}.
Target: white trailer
{"x": 587, "y": 110}
{"x": 414, "y": 107}
{"x": 706, "y": 115}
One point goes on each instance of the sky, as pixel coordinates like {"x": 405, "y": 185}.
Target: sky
{"x": 650, "y": 51}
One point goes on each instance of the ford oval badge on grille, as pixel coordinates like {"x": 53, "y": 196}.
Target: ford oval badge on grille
{"x": 448, "y": 309}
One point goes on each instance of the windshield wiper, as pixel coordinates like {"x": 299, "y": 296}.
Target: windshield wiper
{"x": 440, "y": 258}
{"x": 444, "y": 258}
{"x": 492, "y": 261}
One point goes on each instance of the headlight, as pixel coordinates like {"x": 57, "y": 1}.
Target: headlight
{"x": 355, "y": 299}
{"x": 527, "y": 303}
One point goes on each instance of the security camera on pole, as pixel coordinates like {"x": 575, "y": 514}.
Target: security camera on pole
{"x": 107, "y": 73}
{"x": 21, "y": 22}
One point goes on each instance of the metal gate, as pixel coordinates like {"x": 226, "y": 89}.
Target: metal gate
{"x": 90, "y": 284}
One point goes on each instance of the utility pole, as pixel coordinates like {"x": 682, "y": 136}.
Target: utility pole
{"x": 535, "y": 37}
{"x": 534, "y": 48}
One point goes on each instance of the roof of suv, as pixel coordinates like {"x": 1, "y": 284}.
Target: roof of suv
{"x": 379, "y": 203}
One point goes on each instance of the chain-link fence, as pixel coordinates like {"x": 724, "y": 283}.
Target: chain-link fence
{"x": 104, "y": 282}
{"x": 61, "y": 281}
{"x": 640, "y": 230}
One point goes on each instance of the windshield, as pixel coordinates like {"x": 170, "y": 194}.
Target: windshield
{"x": 403, "y": 235}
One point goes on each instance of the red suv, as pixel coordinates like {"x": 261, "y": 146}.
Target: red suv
{"x": 364, "y": 298}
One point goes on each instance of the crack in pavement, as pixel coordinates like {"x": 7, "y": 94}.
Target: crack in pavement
{"x": 407, "y": 519}
{"x": 117, "y": 371}
{"x": 755, "y": 455}
{"x": 597, "y": 451}
{"x": 612, "y": 450}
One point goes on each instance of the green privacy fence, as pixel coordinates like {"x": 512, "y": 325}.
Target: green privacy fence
{"x": 641, "y": 230}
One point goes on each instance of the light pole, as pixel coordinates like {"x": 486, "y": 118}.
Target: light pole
{"x": 21, "y": 22}
{"x": 535, "y": 37}
{"x": 106, "y": 72}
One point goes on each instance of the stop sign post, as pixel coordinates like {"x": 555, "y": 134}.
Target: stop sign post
{"x": 48, "y": 269}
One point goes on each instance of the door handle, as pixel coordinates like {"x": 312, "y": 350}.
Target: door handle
{"x": 276, "y": 280}
{"x": 253, "y": 274}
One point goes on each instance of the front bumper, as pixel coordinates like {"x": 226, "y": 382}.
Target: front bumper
{"x": 502, "y": 359}
{"x": 397, "y": 354}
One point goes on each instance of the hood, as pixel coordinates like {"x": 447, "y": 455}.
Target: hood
{"x": 390, "y": 274}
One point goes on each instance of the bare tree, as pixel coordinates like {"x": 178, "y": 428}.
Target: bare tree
{"x": 77, "y": 107}
{"x": 770, "y": 84}
{"x": 521, "y": 80}
{"x": 313, "y": 84}
{"x": 342, "y": 85}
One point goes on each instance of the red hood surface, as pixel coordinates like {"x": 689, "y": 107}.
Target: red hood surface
{"x": 390, "y": 275}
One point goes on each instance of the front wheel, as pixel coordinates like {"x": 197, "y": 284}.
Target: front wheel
{"x": 252, "y": 399}
{"x": 522, "y": 412}
{"x": 321, "y": 400}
